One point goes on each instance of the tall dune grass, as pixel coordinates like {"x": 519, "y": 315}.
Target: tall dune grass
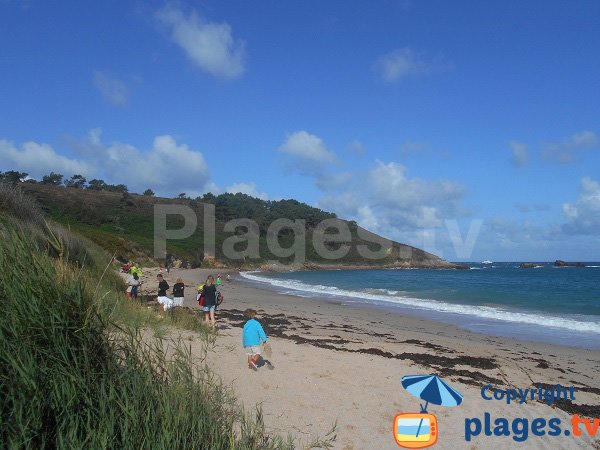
{"x": 69, "y": 378}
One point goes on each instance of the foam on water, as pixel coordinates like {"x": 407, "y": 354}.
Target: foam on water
{"x": 391, "y": 297}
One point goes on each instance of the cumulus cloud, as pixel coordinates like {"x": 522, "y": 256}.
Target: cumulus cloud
{"x": 387, "y": 201}
{"x": 568, "y": 151}
{"x": 307, "y": 147}
{"x": 391, "y": 186}
{"x": 401, "y": 64}
{"x": 167, "y": 167}
{"x": 39, "y": 159}
{"x": 519, "y": 154}
{"x": 209, "y": 45}
{"x": 247, "y": 188}
{"x": 584, "y": 214}
{"x": 113, "y": 91}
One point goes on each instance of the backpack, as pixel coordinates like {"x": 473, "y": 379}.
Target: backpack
{"x": 201, "y": 299}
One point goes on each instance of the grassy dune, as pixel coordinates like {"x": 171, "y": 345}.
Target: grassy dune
{"x": 75, "y": 371}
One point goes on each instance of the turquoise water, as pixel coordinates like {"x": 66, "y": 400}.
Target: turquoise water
{"x": 558, "y": 305}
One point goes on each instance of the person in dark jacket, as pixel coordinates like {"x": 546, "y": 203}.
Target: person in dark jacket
{"x": 178, "y": 292}
{"x": 163, "y": 287}
{"x": 210, "y": 300}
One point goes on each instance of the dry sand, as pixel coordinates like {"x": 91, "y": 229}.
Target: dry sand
{"x": 340, "y": 364}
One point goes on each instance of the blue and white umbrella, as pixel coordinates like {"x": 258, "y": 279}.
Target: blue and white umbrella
{"x": 432, "y": 389}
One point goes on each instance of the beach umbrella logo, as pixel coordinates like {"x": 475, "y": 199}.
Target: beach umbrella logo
{"x": 420, "y": 430}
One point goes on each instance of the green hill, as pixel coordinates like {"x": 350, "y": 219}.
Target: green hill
{"x": 123, "y": 223}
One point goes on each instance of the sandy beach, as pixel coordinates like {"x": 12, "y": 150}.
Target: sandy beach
{"x": 337, "y": 364}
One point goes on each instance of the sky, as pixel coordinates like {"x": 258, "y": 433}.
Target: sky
{"x": 470, "y": 129}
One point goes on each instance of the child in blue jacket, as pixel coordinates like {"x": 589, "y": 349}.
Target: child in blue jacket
{"x": 253, "y": 336}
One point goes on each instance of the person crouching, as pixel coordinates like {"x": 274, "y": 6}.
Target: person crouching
{"x": 253, "y": 336}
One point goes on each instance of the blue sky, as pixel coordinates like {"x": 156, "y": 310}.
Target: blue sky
{"x": 422, "y": 120}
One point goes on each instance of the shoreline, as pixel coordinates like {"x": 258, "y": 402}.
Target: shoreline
{"x": 339, "y": 363}
{"x": 480, "y": 322}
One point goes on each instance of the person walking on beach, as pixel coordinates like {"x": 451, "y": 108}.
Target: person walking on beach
{"x": 210, "y": 301}
{"x": 218, "y": 282}
{"x": 178, "y": 292}
{"x": 134, "y": 283}
{"x": 163, "y": 287}
{"x": 253, "y": 336}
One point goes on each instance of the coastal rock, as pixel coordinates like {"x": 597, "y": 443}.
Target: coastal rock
{"x": 561, "y": 263}
{"x": 529, "y": 265}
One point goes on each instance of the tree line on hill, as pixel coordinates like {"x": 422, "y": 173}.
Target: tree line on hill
{"x": 56, "y": 179}
{"x": 227, "y": 205}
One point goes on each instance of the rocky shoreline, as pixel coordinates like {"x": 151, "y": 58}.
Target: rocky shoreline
{"x": 279, "y": 267}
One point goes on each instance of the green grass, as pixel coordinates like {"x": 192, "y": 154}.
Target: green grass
{"x": 78, "y": 369}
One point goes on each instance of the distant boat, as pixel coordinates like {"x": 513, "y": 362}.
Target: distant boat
{"x": 487, "y": 261}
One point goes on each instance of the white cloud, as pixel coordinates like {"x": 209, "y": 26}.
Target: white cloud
{"x": 167, "y": 167}
{"x": 39, "y": 160}
{"x": 307, "y": 147}
{"x": 390, "y": 185}
{"x": 387, "y": 201}
{"x": 584, "y": 214}
{"x": 400, "y": 64}
{"x": 209, "y": 45}
{"x": 113, "y": 91}
{"x": 520, "y": 154}
{"x": 247, "y": 188}
{"x": 567, "y": 151}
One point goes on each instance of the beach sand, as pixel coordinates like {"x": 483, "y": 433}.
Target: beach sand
{"x": 338, "y": 364}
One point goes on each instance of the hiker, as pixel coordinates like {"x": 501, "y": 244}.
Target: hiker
{"x": 218, "y": 282}
{"x": 210, "y": 300}
{"x": 134, "y": 283}
{"x": 178, "y": 292}
{"x": 253, "y": 336}
{"x": 163, "y": 287}
{"x": 228, "y": 278}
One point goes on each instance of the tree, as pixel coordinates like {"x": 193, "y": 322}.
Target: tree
{"x": 55, "y": 179}
{"x": 149, "y": 192}
{"x": 117, "y": 188}
{"x": 209, "y": 197}
{"x": 76, "y": 181}
{"x": 183, "y": 195}
{"x": 97, "y": 185}
{"x": 13, "y": 177}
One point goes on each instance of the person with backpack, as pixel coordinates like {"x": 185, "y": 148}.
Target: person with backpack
{"x": 178, "y": 296}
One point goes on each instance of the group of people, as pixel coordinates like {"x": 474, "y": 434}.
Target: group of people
{"x": 254, "y": 338}
{"x": 178, "y": 293}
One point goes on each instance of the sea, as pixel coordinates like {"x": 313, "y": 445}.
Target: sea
{"x": 557, "y": 305}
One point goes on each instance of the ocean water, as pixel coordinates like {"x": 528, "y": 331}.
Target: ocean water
{"x": 559, "y": 305}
